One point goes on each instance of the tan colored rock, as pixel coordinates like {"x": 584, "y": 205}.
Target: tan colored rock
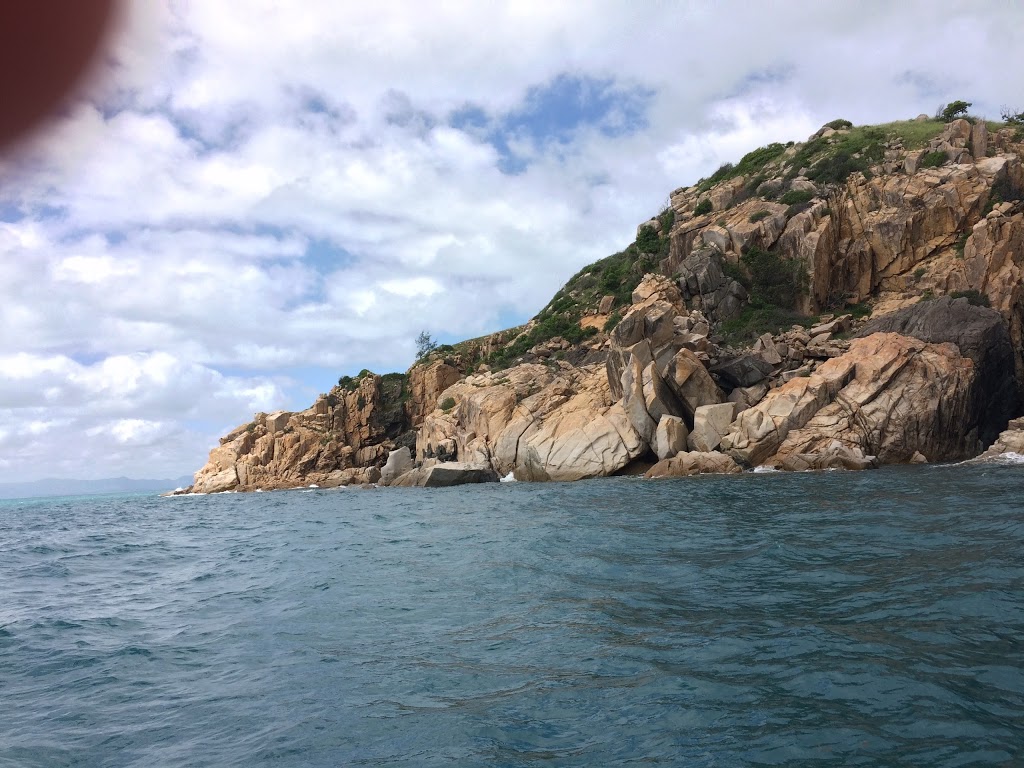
{"x": 758, "y": 432}
{"x": 748, "y": 397}
{"x": 913, "y": 160}
{"x": 694, "y": 463}
{"x": 670, "y": 437}
{"x": 765, "y": 347}
{"x": 444, "y": 475}
{"x": 979, "y": 139}
{"x": 426, "y": 383}
{"x": 359, "y": 476}
{"x": 277, "y": 421}
{"x": 538, "y": 424}
{"x": 1010, "y": 441}
{"x": 634, "y": 401}
{"x": 399, "y": 462}
{"x": 904, "y": 396}
{"x": 216, "y": 482}
{"x": 691, "y": 382}
{"x": 835, "y": 455}
{"x": 710, "y": 424}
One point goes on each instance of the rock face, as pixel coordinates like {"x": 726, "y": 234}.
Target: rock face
{"x": 426, "y": 383}
{"x": 345, "y": 429}
{"x": 540, "y": 422}
{"x": 980, "y": 334}
{"x": 888, "y": 397}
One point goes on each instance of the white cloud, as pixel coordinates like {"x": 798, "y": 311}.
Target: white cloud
{"x": 248, "y": 197}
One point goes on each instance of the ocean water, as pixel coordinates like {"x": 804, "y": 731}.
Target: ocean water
{"x": 854, "y": 619}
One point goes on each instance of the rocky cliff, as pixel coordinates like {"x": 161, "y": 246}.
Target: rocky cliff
{"x": 850, "y": 300}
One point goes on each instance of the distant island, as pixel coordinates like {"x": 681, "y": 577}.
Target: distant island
{"x": 852, "y": 300}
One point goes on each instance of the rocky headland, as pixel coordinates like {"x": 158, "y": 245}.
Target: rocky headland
{"x": 850, "y": 301}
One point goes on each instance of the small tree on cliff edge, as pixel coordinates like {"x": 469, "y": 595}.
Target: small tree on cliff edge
{"x": 953, "y": 110}
{"x": 424, "y": 345}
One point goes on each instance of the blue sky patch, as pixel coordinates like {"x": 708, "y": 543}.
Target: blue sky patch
{"x": 551, "y": 115}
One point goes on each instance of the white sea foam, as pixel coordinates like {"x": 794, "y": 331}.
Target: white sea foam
{"x": 509, "y": 478}
{"x": 759, "y": 470}
{"x": 1010, "y": 457}
{"x": 314, "y": 485}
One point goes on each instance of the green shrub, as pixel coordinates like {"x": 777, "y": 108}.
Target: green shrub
{"x": 961, "y": 244}
{"x": 973, "y": 296}
{"x": 613, "y": 319}
{"x": 774, "y": 281}
{"x": 839, "y": 124}
{"x": 758, "y": 215}
{"x": 667, "y": 218}
{"x": 861, "y": 309}
{"x": 932, "y": 160}
{"x": 756, "y": 182}
{"x": 796, "y": 208}
{"x": 703, "y": 207}
{"x": 754, "y": 321}
{"x": 1011, "y": 116}
{"x": 647, "y": 239}
{"x": 447, "y": 404}
{"x": 836, "y": 168}
{"x": 806, "y": 155}
{"x": 919, "y": 273}
{"x": 796, "y": 196}
{"x": 737, "y": 273}
{"x": 750, "y": 164}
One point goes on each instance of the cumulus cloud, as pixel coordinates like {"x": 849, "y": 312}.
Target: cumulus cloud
{"x": 147, "y": 409}
{"x": 244, "y": 200}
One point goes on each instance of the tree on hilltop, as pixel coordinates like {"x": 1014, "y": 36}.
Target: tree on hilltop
{"x": 953, "y": 110}
{"x": 425, "y": 344}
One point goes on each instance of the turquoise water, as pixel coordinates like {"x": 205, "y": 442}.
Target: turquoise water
{"x": 861, "y": 619}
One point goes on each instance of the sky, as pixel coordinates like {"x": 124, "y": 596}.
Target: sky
{"x": 249, "y": 201}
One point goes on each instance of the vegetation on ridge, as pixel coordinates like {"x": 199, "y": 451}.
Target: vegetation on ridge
{"x": 775, "y": 284}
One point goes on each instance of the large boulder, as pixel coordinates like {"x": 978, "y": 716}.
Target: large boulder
{"x": 710, "y": 424}
{"x": 445, "y": 474}
{"x": 216, "y": 482}
{"x": 399, "y": 462}
{"x": 742, "y": 371}
{"x": 835, "y": 455}
{"x": 670, "y": 437}
{"x": 979, "y": 334}
{"x": 694, "y": 463}
{"x": 691, "y": 382}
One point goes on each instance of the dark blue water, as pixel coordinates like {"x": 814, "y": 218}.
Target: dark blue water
{"x": 870, "y": 619}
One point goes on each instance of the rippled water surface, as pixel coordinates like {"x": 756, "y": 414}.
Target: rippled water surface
{"x": 818, "y": 619}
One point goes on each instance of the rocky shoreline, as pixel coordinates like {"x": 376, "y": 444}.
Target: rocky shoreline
{"x": 905, "y": 274}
